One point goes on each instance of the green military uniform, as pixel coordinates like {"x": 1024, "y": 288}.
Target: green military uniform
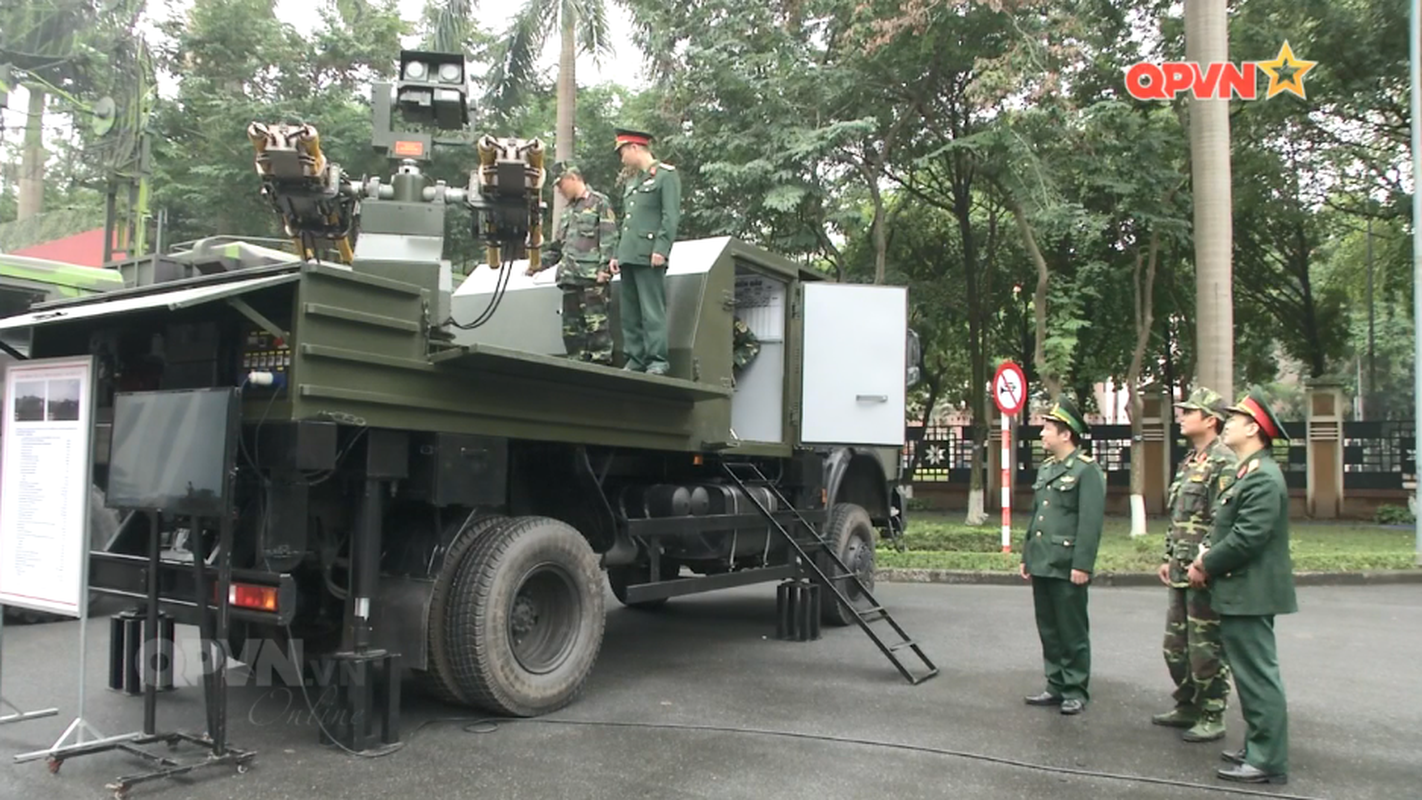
{"x": 1249, "y": 569}
{"x": 1068, "y": 511}
{"x": 651, "y": 212}
{"x": 744, "y": 347}
{"x": 1193, "y": 649}
{"x": 583, "y": 244}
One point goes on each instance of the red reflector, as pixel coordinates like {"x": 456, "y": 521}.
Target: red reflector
{"x": 259, "y": 598}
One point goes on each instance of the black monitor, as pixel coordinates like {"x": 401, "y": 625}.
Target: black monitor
{"x": 173, "y": 450}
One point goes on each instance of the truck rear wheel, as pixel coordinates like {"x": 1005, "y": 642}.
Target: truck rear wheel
{"x": 526, "y": 617}
{"x": 850, "y": 531}
{"x": 437, "y": 679}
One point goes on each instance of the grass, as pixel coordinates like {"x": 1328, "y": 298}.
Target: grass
{"x": 940, "y": 540}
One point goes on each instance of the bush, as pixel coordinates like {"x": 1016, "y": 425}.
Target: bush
{"x": 1393, "y": 515}
{"x": 955, "y": 540}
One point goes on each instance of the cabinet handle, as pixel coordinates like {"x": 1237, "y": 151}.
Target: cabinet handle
{"x": 877, "y": 398}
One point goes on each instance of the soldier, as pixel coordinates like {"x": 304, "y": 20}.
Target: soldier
{"x": 582, "y": 246}
{"x": 1193, "y": 652}
{"x": 1246, "y": 564}
{"x": 651, "y": 211}
{"x": 1059, "y": 555}
{"x": 744, "y": 348}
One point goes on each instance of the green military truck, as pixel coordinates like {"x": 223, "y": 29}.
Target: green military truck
{"x": 25, "y": 281}
{"x": 423, "y": 474}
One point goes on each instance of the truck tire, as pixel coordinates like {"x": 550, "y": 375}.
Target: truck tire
{"x": 437, "y": 680}
{"x": 103, "y": 523}
{"x": 620, "y": 577}
{"x": 851, "y": 532}
{"x": 526, "y": 617}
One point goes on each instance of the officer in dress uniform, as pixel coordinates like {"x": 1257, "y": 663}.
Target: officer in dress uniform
{"x": 1247, "y": 566}
{"x": 651, "y": 211}
{"x": 1194, "y": 654}
{"x": 582, "y": 246}
{"x": 1059, "y": 555}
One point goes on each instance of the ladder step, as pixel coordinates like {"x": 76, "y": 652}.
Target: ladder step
{"x": 902, "y": 645}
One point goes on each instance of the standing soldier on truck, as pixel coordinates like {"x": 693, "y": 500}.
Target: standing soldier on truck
{"x": 1193, "y": 650}
{"x": 651, "y": 212}
{"x": 584, "y": 243}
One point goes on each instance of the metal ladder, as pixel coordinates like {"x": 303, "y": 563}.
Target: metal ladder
{"x": 874, "y": 613}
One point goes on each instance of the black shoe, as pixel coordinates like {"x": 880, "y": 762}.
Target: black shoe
{"x": 1248, "y": 773}
{"x": 1073, "y": 706}
{"x": 1233, "y": 756}
{"x": 1044, "y": 699}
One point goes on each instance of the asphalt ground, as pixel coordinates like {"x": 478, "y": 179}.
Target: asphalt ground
{"x": 1351, "y": 660}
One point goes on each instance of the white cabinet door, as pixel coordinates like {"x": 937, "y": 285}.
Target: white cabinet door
{"x": 855, "y": 345}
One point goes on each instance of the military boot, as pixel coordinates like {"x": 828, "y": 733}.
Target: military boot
{"x": 1210, "y": 727}
{"x": 1179, "y": 717}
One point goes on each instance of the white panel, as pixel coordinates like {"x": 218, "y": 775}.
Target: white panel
{"x": 757, "y": 413}
{"x": 174, "y": 299}
{"x": 760, "y": 303}
{"x": 855, "y": 370}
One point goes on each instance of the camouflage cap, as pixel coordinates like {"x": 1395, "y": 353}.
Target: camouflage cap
{"x": 1065, "y": 411}
{"x": 1255, "y": 405}
{"x": 562, "y": 169}
{"x": 1206, "y": 400}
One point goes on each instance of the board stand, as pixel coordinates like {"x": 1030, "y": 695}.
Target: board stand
{"x": 214, "y": 678}
{"x": 17, "y": 714}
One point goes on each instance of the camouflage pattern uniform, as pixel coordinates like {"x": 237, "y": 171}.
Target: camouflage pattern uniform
{"x": 1193, "y": 647}
{"x": 582, "y": 245}
{"x": 744, "y": 347}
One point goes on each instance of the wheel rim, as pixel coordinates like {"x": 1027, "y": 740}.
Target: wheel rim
{"x": 859, "y": 557}
{"x": 543, "y": 618}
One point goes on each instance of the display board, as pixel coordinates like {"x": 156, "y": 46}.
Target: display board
{"x": 45, "y": 478}
{"x": 172, "y": 450}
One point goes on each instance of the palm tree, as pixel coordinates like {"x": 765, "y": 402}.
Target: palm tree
{"x": 583, "y": 26}
{"x": 1207, "y": 41}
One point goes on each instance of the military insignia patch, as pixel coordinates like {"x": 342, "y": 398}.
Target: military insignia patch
{"x": 1242, "y": 471}
{"x": 1224, "y": 482}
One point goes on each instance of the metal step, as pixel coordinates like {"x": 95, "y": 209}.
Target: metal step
{"x": 746, "y": 474}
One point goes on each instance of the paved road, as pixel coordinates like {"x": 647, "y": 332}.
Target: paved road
{"x": 1350, "y": 662}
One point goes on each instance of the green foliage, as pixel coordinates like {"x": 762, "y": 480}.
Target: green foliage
{"x": 1393, "y": 515}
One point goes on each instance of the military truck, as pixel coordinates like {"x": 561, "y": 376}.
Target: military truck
{"x": 422, "y": 471}
{"x": 25, "y": 281}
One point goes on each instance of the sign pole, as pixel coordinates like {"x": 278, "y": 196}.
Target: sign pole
{"x": 1009, "y": 392}
{"x": 1415, "y": 59}
{"x": 1006, "y": 484}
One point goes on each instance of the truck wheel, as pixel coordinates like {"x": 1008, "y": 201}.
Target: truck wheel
{"x": 103, "y": 522}
{"x": 620, "y": 577}
{"x": 437, "y": 679}
{"x": 526, "y": 617}
{"x": 851, "y": 532}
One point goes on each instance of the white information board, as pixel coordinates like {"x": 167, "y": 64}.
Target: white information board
{"x": 44, "y": 484}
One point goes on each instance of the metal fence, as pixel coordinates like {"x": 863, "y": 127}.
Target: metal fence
{"x": 1376, "y": 455}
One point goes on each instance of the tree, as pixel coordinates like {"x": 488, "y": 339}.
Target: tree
{"x": 582, "y": 27}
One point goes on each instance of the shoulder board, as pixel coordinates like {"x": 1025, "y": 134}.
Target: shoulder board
{"x": 668, "y": 167}
{"x": 1088, "y": 459}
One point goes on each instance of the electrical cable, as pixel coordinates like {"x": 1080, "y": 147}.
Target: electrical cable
{"x": 470, "y": 724}
{"x": 502, "y": 284}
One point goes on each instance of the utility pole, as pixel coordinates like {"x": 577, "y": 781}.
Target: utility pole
{"x": 1415, "y": 60}
{"x": 1370, "y": 399}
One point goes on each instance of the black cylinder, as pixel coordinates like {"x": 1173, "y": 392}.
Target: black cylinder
{"x": 700, "y": 500}
{"x": 667, "y": 500}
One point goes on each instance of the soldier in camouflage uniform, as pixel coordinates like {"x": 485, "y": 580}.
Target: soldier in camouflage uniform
{"x": 744, "y": 348}
{"x": 583, "y": 245}
{"x": 1193, "y": 649}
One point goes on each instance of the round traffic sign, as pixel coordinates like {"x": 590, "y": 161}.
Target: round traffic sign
{"x": 1009, "y": 388}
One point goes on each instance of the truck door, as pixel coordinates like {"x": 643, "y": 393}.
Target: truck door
{"x": 855, "y": 364}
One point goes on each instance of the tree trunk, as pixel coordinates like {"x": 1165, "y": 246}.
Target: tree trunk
{"x": 1207, "y": 42}
{"x": 1145, "y": 320}
{"x": 32, "y": 161}
{"x": 1039, "y": 301}
{"x": 567, "y": 98}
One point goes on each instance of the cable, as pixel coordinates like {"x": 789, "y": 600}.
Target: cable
{"x": 470, "y": 725}
{"x": 503, "y": 281}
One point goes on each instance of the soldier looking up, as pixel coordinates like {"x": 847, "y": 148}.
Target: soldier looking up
{"x": 1059, "y": 555}
{"x": 583, "y": 245}
{"x": 651, "y": 211}
{"x": 1193, "y": 650}
{"x": 1247, "y": 565}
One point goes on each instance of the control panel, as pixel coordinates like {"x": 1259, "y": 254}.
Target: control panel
{"x": 266, "y": 359}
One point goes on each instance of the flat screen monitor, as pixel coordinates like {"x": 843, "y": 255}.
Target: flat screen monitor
{"x": 172, "y": 450}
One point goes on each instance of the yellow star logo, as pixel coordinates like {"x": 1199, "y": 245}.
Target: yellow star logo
{"x": 1293, "y": 82}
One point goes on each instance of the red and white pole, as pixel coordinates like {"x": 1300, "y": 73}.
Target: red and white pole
{"x": 1006, "y": 486}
